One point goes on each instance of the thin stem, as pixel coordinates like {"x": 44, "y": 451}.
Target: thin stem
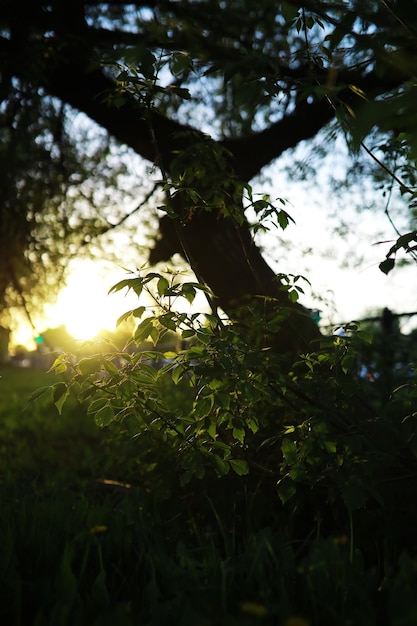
{"x": 403, "y": 186}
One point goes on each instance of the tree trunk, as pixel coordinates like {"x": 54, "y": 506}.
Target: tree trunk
{"x": 225, "y": 257}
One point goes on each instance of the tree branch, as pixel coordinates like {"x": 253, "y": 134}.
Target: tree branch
{"x": 254, "y": 152}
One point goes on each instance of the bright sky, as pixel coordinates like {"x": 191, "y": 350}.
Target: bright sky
{"x": 347, "y": 276}
{"x": 343, "y": 270}
{"x": 84, "y": 305}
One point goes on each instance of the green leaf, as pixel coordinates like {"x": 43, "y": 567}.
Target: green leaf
{"x": 216, "y": 383}
{"x": 289, "y": 450}
{"x": 222, "y": 466}
{"x": 123, "y": 317}
{"x": 289, "y": 429}
{"x": 143, "y": 369}
{"x": 147, "y": 64}
{"x": 121, "y": 285}
{"x": 239, "y": 434}
{"x": 289, "y": 12}
{"x": 86, "y": 394}
{"x": 284, "y": 219}
{"x": 154, "y": 335}
{"x": 387, "y": 265}
{"x": 293, "y": 295}
{"x": 186, "y": 334}
{"x": 138, "y": 312}
{"x": 259, "y": 205}
{"x": 239, "y": 467}
{"x": 60, "y": 393}
{"x": 253, "y": 425}
{"x": 104, "y": 416}
{"x": 136, "y": 284}
{"x": 188, "y": 291}
{"x": 110, "y": 368}
{"x": 59, "y": 366}
{"x": 364, "y": 336}
{"x": 97, "y": 404}
{"x": 286, "y": 489}
{"x": 179, "y": 63}
{"x": 38, "y": 393}
{"x": 178, "y": 372}
{"x": 144, "y": 329}
{"x": 212, "y": 430}
{"x": 181, "y": 92}
{"x": 162, "y": 285}
{"x": 89, "y": 365}
{"x": 167, "y": 321}
{"x": 186, "y": 477}
{"x": 203, "y": 406}
{"x": 204, "y": 336}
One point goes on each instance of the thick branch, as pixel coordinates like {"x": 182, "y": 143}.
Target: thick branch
{"x": 87, "y": 90}
{"x": 254, "y": 152}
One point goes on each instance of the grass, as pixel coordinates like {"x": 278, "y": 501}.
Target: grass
{"x": 94, "y": 529}
{"x": 36, "y": 444}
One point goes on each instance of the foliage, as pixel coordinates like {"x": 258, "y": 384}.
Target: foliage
{"x": 248, "y": 484}
{"x": 257, "y": 82}
{"x": 106, "y": 527}
{"x": 403, "y": 243}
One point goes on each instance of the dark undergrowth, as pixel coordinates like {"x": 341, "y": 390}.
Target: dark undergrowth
{"x": 96, "y": 529}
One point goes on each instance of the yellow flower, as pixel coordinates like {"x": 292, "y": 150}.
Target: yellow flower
{"x": 296, "y": 620}
{"x": 98, "y": 530}
{"x": 254, "y": 608}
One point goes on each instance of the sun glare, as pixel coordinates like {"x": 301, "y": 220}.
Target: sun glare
{"x": 84, "y": 305}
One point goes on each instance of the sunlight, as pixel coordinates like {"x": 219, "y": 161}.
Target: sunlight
{"x": 84, "y": 305}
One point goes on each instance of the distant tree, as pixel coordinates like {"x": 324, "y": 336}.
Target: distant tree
{"x": 211, "y": 92}
{"x": 58, "y": 339}
{"x": 4, "y": 345}
{"x": 54, "y": 197}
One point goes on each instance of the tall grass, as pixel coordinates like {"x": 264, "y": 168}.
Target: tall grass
{"x": 95, "y": 529}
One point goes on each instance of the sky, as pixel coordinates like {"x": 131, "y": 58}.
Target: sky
{"x": 339, "y": 238}
{"x": 344, "y": 272}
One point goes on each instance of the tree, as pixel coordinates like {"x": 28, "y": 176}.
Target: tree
{"x": 51, "y": 186}
{"x": 213, "y": 92}
{"x": 306, "y": 446}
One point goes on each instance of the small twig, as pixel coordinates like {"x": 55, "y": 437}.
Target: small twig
{"x": 369, "y": 152}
